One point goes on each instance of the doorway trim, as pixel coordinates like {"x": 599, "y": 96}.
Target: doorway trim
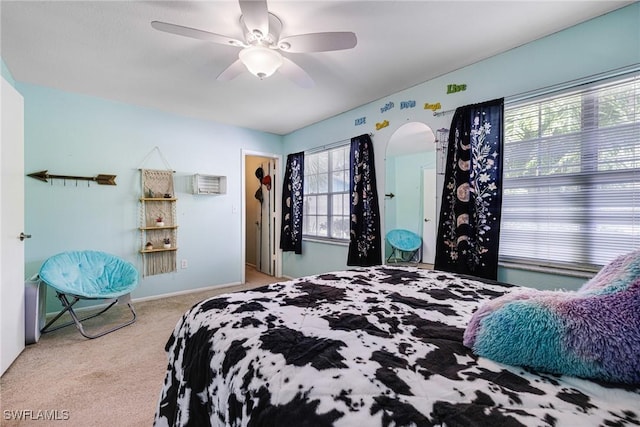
{"x": 277, "y": 158}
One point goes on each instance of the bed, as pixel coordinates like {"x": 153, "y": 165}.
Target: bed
{"x": 375, "y": 346}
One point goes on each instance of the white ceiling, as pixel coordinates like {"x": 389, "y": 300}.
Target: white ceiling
{"x": 108, "y": 49}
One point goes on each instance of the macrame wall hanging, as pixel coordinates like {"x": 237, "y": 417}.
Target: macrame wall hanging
{"x": 158, "y": 225}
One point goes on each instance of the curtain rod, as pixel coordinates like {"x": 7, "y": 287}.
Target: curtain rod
{"x": 561, "y": 86}
{"x": 330, "y": 146}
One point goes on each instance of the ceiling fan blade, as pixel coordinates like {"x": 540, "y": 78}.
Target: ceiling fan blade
{"x": 319, "y": 42}
{"x": 255, "y": 16}
{"x": 232, "y": 71}
{"x": 293, "y": 72}
{"x": 196, "y": 34}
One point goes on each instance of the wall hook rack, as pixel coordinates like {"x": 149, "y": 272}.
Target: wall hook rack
{"x": 101, "y": 179}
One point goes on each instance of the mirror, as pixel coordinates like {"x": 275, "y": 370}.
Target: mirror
{"x": 410, "y": 192}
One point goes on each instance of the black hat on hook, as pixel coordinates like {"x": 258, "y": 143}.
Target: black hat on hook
{"x": 258, "y": 195}
{"x": 260, "y": 173}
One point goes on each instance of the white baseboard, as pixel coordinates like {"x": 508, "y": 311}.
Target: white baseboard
{"x": 186, "y": 292}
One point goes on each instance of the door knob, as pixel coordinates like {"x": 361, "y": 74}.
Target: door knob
{"x": 427, "y": 220}
{"x": 24, "y": 236}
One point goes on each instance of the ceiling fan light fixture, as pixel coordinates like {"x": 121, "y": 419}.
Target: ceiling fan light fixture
{"x": 260, "y": 61}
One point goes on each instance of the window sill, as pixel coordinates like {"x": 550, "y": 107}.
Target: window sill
{"x": 334, "y": 242}
{"x": 560, "y": 271}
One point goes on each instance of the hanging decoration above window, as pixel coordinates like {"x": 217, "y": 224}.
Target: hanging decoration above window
{"x": 407, "y": 104}
{"x": 388, "y": 106}
{"x": 432, "y": 107}
{"x": 453, "y": 88}
{"x": 382, "y": 125}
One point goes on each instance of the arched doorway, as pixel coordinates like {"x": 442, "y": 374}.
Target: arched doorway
{"x": 410, "y": 191}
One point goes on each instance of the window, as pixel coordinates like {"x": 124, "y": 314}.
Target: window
{"x": 571, "y": 184}
{"x": 326, "y": 194}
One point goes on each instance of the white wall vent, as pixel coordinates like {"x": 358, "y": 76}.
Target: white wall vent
{"x": 209, "y": 184}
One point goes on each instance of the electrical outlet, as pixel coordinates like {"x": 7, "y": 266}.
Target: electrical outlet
{"x": 184, "y": 264}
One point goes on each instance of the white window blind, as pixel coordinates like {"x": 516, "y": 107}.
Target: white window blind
{"x": 326, "y": 194}
{"x": 571, "y": 183}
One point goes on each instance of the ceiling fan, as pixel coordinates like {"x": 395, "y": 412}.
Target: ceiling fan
{"x": 262, "y": 44}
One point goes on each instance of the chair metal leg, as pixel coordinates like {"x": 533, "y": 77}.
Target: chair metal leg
{"x": 414, "y": 257}
{"x": 400, "y": 255}
{"x": 67, "y": 306}
{"x": 393, "y": 251}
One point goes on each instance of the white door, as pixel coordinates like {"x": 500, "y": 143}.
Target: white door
{"x": 429, "y": 216}
{"x": 266, "y": 229}
{"x": 11, "y": 225}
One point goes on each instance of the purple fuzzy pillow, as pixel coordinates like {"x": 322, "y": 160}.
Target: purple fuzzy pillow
{"x": 615, "y": 276}
{"x": 592, "y": 333}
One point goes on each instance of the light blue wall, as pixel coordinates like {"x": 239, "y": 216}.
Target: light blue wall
{"x": 404, "y": 179}
{"x": 70, "y": 134}
{"x": 606, "y": 43}
{"x": 408, "y": 189}
{"x": 328, "y": 257}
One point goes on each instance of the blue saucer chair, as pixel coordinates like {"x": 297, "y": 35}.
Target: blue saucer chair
{"x": 89, "y": 275}
{"x": 405, "y": 246}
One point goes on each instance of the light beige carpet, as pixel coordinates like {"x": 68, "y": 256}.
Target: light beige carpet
{"x": 114, "y": 380}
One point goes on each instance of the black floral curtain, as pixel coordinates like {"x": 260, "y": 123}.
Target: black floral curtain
{"x": 365, "y": 247}
{"x": 292, "y": 198}
{"x": 469, "y": 228}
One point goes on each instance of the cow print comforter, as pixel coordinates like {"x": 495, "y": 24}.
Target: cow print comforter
{"x": 379, "y": 346}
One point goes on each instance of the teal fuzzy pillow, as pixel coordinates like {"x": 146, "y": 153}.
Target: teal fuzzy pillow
{"x": 591, "y": 333}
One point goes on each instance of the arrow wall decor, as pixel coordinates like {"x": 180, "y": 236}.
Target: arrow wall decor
{"x": 101, "y": 179}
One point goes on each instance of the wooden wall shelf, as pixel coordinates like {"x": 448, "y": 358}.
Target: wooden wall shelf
{"x": 158, "y": 199}
{"x": 148, "y": 251}
{"x": 164, "y": 227}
